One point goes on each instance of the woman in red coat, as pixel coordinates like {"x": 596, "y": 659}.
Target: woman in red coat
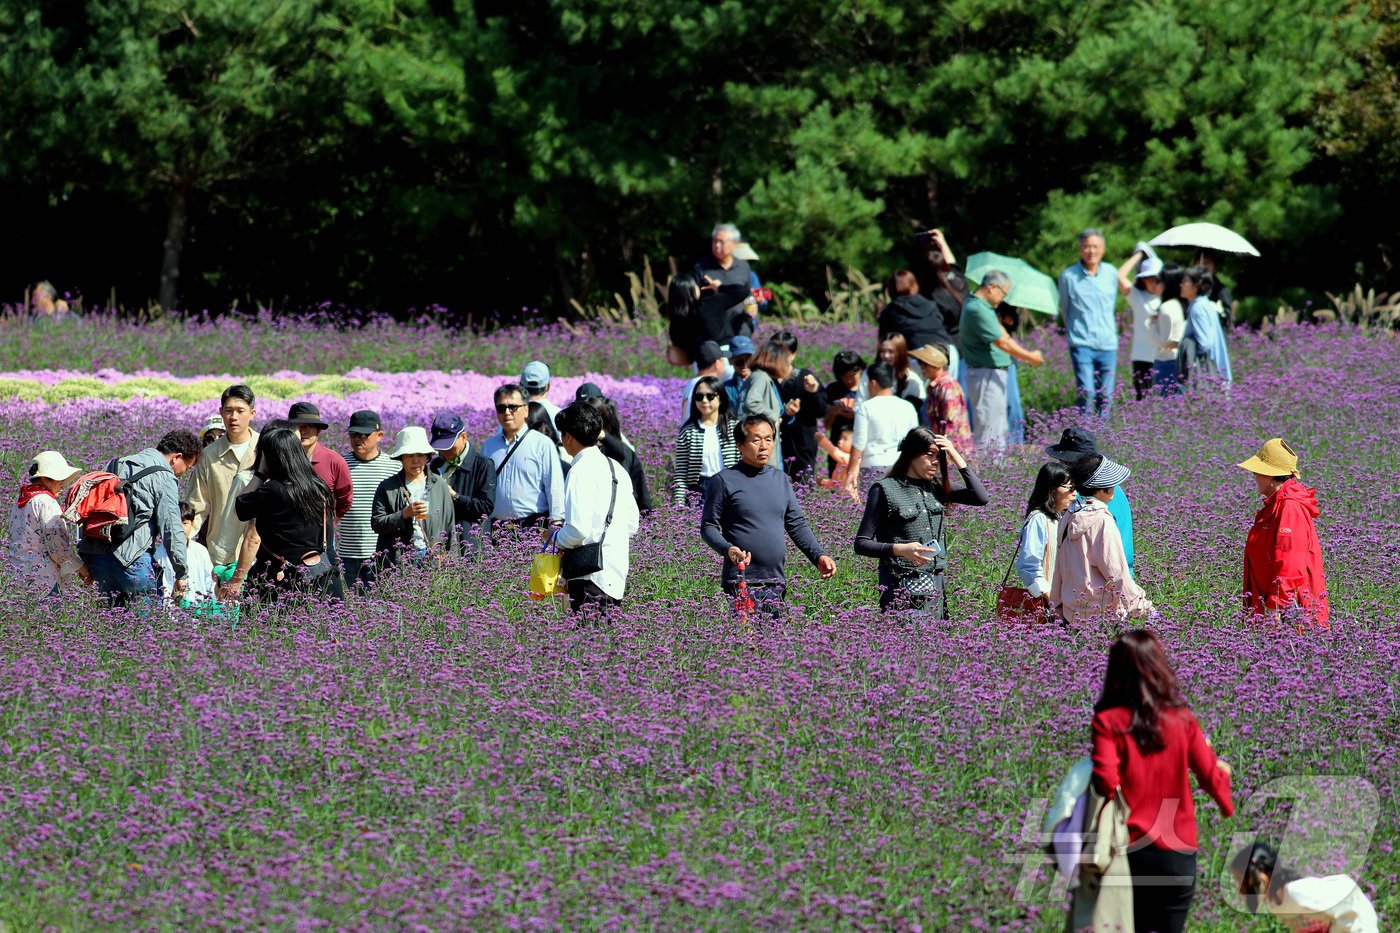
{"x": 1146, "y": 745}
{"x": 1282, "y": 556}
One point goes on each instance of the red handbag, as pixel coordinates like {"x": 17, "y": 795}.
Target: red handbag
{"x": 1015, "y": 603}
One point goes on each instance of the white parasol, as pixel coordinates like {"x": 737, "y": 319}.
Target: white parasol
{"x": 1205, "y": 236}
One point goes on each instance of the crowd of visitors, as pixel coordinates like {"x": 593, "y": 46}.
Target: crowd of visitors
{"x": 275, "y": 513}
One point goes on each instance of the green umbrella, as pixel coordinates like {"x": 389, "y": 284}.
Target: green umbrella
{"x": 1030, "y": 288}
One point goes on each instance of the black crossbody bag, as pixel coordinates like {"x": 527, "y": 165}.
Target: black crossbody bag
{"x": 581, "y": 561}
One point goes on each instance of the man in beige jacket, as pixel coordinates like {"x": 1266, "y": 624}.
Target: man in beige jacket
{"x": 211, "y": 491}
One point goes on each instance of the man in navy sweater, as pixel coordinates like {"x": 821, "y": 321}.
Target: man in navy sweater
{"x": 749, "y": 510}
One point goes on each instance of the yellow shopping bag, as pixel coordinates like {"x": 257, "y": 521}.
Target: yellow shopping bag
{"x": 544, "y": 572}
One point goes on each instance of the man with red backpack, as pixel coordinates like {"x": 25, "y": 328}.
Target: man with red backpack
{"x": 121, "y": 558}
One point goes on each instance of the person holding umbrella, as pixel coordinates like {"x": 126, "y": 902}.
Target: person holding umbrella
{"x": 988, "y": 348}
{"x": 1203, "y": 346}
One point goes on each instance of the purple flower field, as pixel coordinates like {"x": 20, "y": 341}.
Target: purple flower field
{"x": 451, "y": 755}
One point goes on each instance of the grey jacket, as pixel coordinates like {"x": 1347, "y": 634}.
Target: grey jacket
{"x": 395, "y": 531}
{"x": 153, "y": 508}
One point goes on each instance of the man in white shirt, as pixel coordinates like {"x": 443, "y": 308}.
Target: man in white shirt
{"x": 882, "y": 421}
{"x": 595, "y": 487}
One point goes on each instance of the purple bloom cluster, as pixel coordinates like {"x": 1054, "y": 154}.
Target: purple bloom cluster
{"x": 449, "y": 754}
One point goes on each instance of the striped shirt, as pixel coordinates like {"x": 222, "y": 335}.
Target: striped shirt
{"x": 355, "y": 538}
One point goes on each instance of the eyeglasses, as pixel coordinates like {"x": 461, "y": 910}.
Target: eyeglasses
{"x": 705, "y": 396}
{"x": 509, "y": 409}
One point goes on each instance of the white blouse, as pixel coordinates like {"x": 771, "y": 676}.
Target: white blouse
{"x": 1336, "y": 901}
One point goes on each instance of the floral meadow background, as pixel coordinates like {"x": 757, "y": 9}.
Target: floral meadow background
{"x": 449, "y": 754}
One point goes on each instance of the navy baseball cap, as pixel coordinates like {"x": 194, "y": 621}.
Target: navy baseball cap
{"x": 708, "y": 354}
{"x": 740, "y": 345}
{"x": 446, "y": 427}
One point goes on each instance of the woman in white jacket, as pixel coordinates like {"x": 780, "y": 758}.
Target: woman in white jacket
{"x": 43, "y": 551}
{"x": 1035, "y": 560}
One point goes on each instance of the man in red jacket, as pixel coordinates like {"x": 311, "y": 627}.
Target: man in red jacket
{"x": 1282, "y": 556}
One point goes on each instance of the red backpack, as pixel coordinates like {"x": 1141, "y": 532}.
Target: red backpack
{"x": 97, "y": 503}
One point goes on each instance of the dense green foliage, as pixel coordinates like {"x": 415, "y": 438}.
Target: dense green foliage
{"x": 490, "y": 157}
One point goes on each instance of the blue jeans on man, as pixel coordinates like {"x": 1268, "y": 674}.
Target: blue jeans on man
{"x": 360, "y": 573}
{"x": 1094, "y": 373}
{"x": 119, "y": 584}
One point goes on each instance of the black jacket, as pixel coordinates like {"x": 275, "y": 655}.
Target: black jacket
{"x": 473, "y": 486}
{"x": 918, "y": 319}
{"x": 624, "y": 455}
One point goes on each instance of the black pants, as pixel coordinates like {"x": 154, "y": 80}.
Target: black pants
{"x": 587, "y": 593}
{"x": 768, "y": 598}
{"x": 1143, "y": 377}
{"x": 1163, "y": 884}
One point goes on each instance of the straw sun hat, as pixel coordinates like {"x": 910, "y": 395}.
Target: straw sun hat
{"x": 1275, "y": 458}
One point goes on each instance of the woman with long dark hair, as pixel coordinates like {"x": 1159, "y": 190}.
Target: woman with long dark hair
{"x": 1203, "y": 347}
{"x": 1334, "y": 903}
{"x": 293, "y": 508}
{"x": 1035, "y": 556}
{"x": 1145, "y": 742}
{"x": 614, "y": 445}
{"x": 903, "y": 524}
{"x": 700, "y": 310}
{"x": 706, "y": 442}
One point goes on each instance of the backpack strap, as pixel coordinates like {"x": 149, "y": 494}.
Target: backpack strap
{"x": 124, "y": 484}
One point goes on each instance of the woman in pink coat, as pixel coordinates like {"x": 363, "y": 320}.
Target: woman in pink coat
{"x": 1091, "y": 571}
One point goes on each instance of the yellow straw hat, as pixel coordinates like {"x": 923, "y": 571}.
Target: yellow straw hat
{"x": 1275, "y": 458}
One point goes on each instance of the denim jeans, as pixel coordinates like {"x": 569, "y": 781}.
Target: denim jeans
{"x": 118, "y": 584}
{"x": 1094, "y": 374}
{"x": 1164, "y": 375}
{"x": 359, "y": 572}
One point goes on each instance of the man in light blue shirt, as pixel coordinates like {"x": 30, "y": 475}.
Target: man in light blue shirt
{"x": 1088, "y": 292}
{"x": 529, "y": 476}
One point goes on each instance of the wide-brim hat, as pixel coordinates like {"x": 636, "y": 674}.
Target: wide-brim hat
{"x": 931, "y": 354}
{"x": 412, "y": 440}
{"x": 306, "y": 413}
{"x": 1149, "y": 268}
{"x": 51, "y": 465}
{"x": 1108, "y": 475}
{"x": 1275, "y": 458}
{"x": 1075, "y": 444}
{"x": 745, "y": 252}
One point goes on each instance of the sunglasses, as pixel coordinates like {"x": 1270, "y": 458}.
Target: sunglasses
{"x": 705, "y": 396}
{"x": 508, "y": 409}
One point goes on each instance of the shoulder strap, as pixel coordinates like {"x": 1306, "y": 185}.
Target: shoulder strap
{"x": 124, "y": 484}
{"x": 1006, "y": 578}
{"x": 511, "y": 452}
{"x": 612, "y": 502}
